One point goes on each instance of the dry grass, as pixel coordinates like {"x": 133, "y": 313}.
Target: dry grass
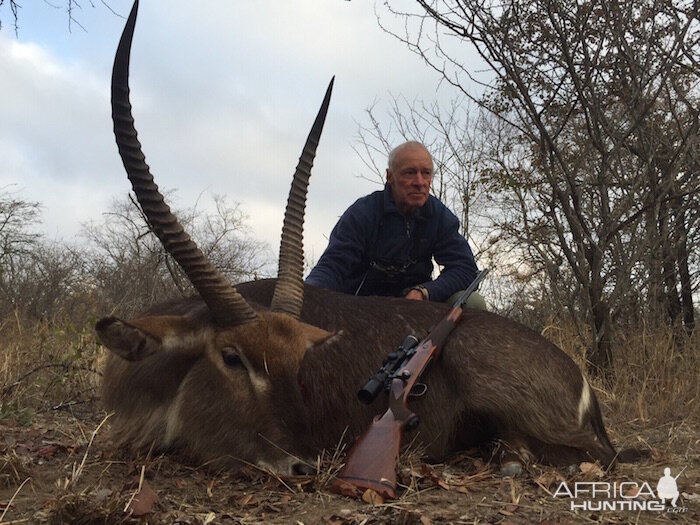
{"x": 57, "y": 465}
{"x": 44, "y": 366}
{"x": 657, "y": 372}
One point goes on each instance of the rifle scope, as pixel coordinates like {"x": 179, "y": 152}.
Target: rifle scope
{"x": 392, "y": 362}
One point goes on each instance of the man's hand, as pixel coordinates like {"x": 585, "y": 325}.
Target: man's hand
{"x": 414, "y": 294}
{"x": 417, "y": 293}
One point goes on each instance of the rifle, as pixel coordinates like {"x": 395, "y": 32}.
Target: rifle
{"x": 371, "y": 462}
{"x": 681, "y": 472}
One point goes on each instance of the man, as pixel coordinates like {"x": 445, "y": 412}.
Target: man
{"x": 667, "y": 488}
{"x": 385, "y": 242}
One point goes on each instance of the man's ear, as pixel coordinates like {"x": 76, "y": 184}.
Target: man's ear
{"x": 388, "y": 177}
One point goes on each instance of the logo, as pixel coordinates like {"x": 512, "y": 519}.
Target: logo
{"x": 623, "y": 496}
{"x": 666, "y": 488}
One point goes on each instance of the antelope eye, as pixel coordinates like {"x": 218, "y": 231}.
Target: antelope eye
{"x": 230, "y": 357}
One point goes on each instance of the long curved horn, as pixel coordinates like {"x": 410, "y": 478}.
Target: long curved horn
{"x": 227, "y": 306}
{"x": 289, "y": 291}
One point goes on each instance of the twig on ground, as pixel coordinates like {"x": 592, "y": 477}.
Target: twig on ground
{"x": 77, "y": 472}
{"x": 138, "y": 489}
{"x": 12, "y": 499}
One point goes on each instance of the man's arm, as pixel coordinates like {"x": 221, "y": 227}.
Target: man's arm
{"x": 340, "y": 266}
{"x": 453, "y": 253}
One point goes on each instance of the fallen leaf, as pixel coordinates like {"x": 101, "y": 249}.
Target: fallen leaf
{"x": 430, "y": 474}
{"x": 372, "y": 497}
{"x": 334, "y": 519}
{"x": 210, "y": 486}
{"x": 245, "y": 500}
{"x": 591, "y": 469}
{"x": 424, "y": 520}
{"x": 412, "y": 474}
{"x": 49, "y": 451}
{"x": 633, "y": 491}
{"x": 346, "y": 489}
{"x": 142, "y": 503}
{"x": 547, "y": 479}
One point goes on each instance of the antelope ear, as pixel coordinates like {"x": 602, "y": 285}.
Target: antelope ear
{"x": 128, "y": 342}
{"x": 316, "y": 336}
{"x": 139, "y": 338}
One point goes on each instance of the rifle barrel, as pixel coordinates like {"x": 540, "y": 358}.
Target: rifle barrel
{"x": 473, "y": 286}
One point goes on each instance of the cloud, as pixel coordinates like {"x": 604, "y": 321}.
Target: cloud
{"x": 223, "y": 93}
{"x": 55, "y": 134}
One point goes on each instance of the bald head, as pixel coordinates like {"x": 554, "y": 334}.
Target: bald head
{"x": 410, "y": 145}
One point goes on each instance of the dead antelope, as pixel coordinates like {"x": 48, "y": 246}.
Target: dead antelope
{"x": 267, "y": 373}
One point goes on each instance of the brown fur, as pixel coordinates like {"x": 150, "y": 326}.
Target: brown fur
{"x": 495, "y": 379}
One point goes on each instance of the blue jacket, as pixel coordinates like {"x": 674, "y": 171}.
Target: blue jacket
{"x": 376, "y": 250}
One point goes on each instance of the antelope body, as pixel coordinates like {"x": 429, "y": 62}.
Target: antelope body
{"x": 267, "y": 373}
{"x": 275, "y": 391}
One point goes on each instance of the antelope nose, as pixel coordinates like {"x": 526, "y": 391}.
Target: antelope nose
{"x": 303, "y": 469}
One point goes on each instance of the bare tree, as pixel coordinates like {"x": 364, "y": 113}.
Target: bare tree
{"x": 119, "y": 262}
{"x": 602, "y": 98}
{"x": 71, "y": 8}
{"x": 451, "y": 134}
{"x": 131, "y": 270}
{"x": 50, "y": 284}
{"x": 18, "y": 217}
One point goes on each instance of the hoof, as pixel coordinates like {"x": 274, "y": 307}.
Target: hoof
{"x": 511, "y": 469}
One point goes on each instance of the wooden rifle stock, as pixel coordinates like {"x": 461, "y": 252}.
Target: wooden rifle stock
{"x": 371, "y": 462}
{"x": 375, "y": 467}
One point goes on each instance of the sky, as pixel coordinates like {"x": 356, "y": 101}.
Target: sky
{"x": 223, "y": 94}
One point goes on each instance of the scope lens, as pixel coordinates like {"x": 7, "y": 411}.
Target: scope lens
{"x": 371, "y": 390}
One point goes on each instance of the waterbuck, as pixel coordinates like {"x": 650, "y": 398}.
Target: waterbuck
{"x": 267, "y": 373}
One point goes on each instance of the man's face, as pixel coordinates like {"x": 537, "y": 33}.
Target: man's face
{"x": 410, "y": 177}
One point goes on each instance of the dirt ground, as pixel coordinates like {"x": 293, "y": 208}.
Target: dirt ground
{"x": 59, "y": 467}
